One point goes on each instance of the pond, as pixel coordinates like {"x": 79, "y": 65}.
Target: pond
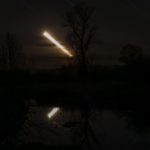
{"x": 50, "y": 116}
{"x": 107, "y": 129}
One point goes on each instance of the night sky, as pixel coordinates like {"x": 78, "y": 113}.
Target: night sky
{"x": 118, "y": 22}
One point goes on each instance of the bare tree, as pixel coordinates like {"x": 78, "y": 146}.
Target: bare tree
{"x": 10, "y": 52}
{"x": 81, "y": 31}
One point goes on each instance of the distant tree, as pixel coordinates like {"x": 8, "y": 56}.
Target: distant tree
{"x": 130, "y": 54}
{"x": 10, "y": 53}
{"x": 81, "y": 31}
{"x": 13, "y": 108}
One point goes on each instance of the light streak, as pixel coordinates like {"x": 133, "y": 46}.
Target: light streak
{"x": 53, "y": 112}
{"x": 55, "y": 42}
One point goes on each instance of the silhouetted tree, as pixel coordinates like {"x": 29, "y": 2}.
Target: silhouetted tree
{"x": 81, "y": 31}
{"x": 13, "y": 108}
{"x": 10, "y": 53}
{"x": 130, "y": 54}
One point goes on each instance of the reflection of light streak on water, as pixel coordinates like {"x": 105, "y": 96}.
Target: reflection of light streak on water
{"x": 49, "y": 37}
{"x": 53, "y": 112}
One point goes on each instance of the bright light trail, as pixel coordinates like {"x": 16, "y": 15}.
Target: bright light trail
{"x": 49, "y": 37}
{"x": 53, "y": 112}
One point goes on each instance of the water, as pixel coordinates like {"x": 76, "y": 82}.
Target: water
{"x": 112, "y": 129}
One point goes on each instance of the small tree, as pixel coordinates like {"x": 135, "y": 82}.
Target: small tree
{"x": 81, "y": 31}
{"x": 130, "y": 54}
{"x": 10, "y": 53}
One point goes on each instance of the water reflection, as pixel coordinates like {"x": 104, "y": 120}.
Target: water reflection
{"x": 114, "y": 127}
{"x": 53, "y": 112}
{"x": 110, "y": 129}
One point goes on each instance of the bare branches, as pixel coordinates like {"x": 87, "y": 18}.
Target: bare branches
{"x": 81, "y": 31}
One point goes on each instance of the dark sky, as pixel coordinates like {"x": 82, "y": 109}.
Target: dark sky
{"x": 119, "y": 22}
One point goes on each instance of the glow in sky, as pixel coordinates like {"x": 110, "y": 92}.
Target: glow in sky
{"x": 55, "y": 42}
